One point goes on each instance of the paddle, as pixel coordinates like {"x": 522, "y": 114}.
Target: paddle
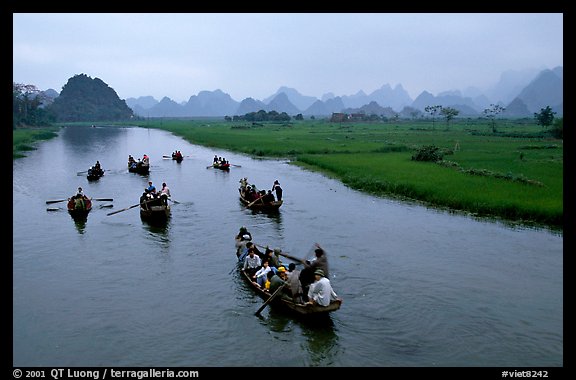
{"x": 287, "y": 256}
{"x": 251, "y": 203}
{"x": 56, "y": 201}
{"x": 103, "y": 206}
{"x": 81, "y": 173}
{"x": 102, "y": 199}
{"x": 208, "y": 167}
{"x": 53, "y": 209}
{"x": 238, "y": 166}
{"x": 128, "y": 208}
{"x": 271, "y": 298}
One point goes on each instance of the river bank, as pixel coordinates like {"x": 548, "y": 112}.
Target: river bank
{"x": 514, "y": 175}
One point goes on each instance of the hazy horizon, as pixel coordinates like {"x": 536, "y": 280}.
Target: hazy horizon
{"x": 254, "y": 54}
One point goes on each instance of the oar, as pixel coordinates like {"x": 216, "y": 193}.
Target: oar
{"x": 208, "y": 167}
{"x": 271, "y": 298}
{"x": 124, "y": 209}
{"x": 238, "y": 166}
{"x": 128, "y": 208}
{"x": 102, "y": 199}
{"x": 251, "y": 203}
{"x": 166, "y": 157}
{"x": 81, "y": 173}
{"x": 102, "y": 206}
{"x": 53, "y": 209}
{"x": 56, "y": 201}
{"x": 287, "y": 255}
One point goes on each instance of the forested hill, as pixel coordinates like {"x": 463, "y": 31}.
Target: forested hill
{"x": 85, "y": 99}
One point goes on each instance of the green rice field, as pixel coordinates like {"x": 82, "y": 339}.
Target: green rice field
{"x": 515, "y": 174}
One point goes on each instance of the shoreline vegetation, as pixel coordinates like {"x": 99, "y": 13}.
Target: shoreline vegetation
{"x": 25, "y": 138}
{"x": 512, "y": 172}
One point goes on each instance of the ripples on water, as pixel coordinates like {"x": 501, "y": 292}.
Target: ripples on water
{"x": 420, "y": 287}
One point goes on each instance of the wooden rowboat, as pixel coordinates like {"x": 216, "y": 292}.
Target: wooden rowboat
{"x": 301, "y": 309}
{"x": 155, "y": 212}
{"x": 216, "y": 165}
{"x": 79, "y": 208}
{"x": 139, "y": 168}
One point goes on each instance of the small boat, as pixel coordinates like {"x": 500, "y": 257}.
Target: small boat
{"x": 139, "y": 167}
{"x": 79, "y": 207}
{"x": 221, "y": 166}
{"x": 94, "y": 173}
{"x": 302, "y": 309}
{"x": 154, "y": 211}
{"x": 178, "y": 157}
{"x": 260, "y": 204}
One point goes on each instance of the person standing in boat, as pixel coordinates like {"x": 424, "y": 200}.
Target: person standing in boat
{"x": 320, "y": 262}
{"x": 164, "y": 193}
{"x": 321, "y": 292}
{"x": 276, "y": 188}
{"x": 294, "y": 283}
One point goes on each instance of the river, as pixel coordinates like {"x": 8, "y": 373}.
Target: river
{"x": 420, "y": 287}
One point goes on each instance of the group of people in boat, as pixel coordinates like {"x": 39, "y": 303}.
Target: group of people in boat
{"x": 152, "y": 197}
{"x": 177, "y": 155}
{"x": 251, "y": 193}
{"x": 95, "y": 170}
{"x": 133, "y": 164}
{"x": 220, "y": 161}
{"x": 311, "y": 285}
{"x": 79, "y": 199}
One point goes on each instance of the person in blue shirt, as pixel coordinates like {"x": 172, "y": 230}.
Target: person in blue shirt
{"x": 151, "y": 188}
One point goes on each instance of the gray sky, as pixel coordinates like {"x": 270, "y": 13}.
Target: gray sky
{"x": 253, "y": 54}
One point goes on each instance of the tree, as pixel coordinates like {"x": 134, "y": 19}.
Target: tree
{"x": 449, "y": 114}
{"x": 27, "y": 106}
{"x": 433, "y": 111}
{"x": 299, "y": 117}
{"x": 545, "y": 117}
{"x": 491, "y": 113}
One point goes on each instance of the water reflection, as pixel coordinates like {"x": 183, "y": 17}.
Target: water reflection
{"x": 321, "y": 340}
{"x": 80, "y": 223}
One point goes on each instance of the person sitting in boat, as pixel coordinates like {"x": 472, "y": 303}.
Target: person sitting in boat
{"x": 251, "y": 263}
{"x": 79, "y": 199}
{"x": 145, "y": 160}
{"x": 279, "y": 279}
{"x": 272, "y": 258}
{"x": 321, "y": 292}
{"x": 261, "y": 275}
{"x": 269, "y": 276}
{"x": 151, "y": 188}
{"x": 268, "y": 197}
{"x": 97, "y": 166}
{"x": 243, "y": 234}
{"x": 243, "y": 183}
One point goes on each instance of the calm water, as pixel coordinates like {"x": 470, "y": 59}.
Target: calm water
{"x": 420, "y": 287}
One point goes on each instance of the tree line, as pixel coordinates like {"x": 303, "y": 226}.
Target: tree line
{"x": 29, "y": 107}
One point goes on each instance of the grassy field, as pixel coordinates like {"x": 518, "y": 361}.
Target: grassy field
{"x": 23, "y": 139}
{"x": 515, "y": 174}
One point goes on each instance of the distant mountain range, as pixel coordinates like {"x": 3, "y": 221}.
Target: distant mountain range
{"x": 521, "y": 92}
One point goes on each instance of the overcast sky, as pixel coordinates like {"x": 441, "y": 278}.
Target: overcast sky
{"x": 253, "y": 54}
